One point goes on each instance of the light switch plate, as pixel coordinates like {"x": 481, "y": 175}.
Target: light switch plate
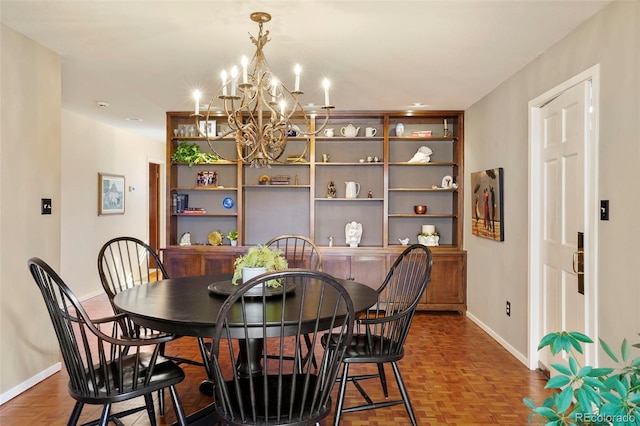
{"x": 45, "y": 206}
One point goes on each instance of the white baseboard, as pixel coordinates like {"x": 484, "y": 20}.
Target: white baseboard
{"x": 520, "y": 357}
{"x": 17, "y": 390}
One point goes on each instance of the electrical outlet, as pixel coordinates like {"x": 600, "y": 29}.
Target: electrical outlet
{"x": 508, "y": 311}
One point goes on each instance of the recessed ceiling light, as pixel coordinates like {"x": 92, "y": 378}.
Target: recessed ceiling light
{"x": 102, "y": 104}
{"x": 418, "y": 104}
{"x": 134, "y": 119}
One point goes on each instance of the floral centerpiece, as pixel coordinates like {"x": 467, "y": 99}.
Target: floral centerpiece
{"x": 270, "y": 259}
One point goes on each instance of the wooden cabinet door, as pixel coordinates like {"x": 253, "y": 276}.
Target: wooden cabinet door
{"x": 369, "y": 269}
{"x": 448, "y": 283}
{"x": 181, "y": 264}
{"x": 218, "y": 263}
{"x": 338, "y": 266}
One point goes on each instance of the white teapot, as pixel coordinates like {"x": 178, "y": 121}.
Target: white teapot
{"x": 349, "y": 131}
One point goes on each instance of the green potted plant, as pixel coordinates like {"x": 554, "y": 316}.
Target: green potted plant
{"x": 232, "y": 236}
{"x": 589, "y": 395}
{"x": 258, "y": 260}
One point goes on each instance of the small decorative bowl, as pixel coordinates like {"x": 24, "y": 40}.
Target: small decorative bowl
{"x": 420, "y": 209}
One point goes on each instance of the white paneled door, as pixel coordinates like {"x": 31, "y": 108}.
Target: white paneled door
{"x": 563, "y": 132}
{"x": 562, "y": 220}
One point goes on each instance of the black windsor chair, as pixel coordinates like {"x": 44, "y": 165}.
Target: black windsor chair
{"x": 382, "y": 331}
{"x": 104, "y": 369}
{"x": 300, "y": 252}
{"x": 279, "y": 393}
{"x": 125, "y": 262}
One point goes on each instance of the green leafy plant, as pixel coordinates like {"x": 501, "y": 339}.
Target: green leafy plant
{"x": 191, "y": 154}
{"x": 260, "y": 257}
{"x": 589, "y": 395}
{"x": 232, "y": 235}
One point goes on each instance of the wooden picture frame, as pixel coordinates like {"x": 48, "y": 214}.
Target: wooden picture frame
{"x": 207, "y": 178}
{"x": 487, "y": 204}
{"x": 110, "y": 194}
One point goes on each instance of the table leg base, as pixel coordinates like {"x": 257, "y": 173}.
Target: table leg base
{"x": 203, "y": 417}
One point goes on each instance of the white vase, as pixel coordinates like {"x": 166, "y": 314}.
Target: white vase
{"x": 399, "y": 129}
{"x": 234, "y": 243}
{"x": 248, "y": 273}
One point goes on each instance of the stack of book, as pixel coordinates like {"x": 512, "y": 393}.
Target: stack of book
{"x": 179, "y": 202}
{"x": 194, "y": 210}
{"x": 280, "y": 180}
{"x": 421, "y": 133}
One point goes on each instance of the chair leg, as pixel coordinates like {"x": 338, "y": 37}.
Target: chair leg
{"x": 403, "y": 392}
{"x": 75, "y": 414}
{"x": 177, "y": 406}
{"x": 161, "y": 402}
{"x": 383, "y": 380}
{"x": 148, "y": 400}
{"x": 205, "y": 358}
{"x": 104, "y": 418}
{"x": 341, "y": 394}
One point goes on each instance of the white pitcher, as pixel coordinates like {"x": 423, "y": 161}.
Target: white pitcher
{"x": 352, "y": 190}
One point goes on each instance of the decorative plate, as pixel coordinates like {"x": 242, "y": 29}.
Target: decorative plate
{"x": 215, "y": 238}
{"x": 225, "y": 288}
{"x": 227, "y": 203}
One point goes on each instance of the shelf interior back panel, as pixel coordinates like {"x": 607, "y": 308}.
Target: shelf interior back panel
{"x": 333, "y": 216}
{"x": 269, "y": 212}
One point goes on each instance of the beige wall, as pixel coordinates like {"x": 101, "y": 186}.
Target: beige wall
{"x": 49, "y": 152}
{"x": 30, "y": 158}
{"x": 88, "y": 148}
{"x": 496, "y": 135}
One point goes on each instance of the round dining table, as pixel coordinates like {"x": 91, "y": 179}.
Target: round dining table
{"x": 187, "y": 306}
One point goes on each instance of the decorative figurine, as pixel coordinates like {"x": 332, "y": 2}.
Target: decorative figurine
{"x": 370, "y": 194}
{"x": 330, "y": 240}
{"x": 422, "y": 156}
{"x": 404, "y": 241}
{"x": 353, "y": 233}
{"x": 185, "y": 239}
{"x": 331, "y": 190}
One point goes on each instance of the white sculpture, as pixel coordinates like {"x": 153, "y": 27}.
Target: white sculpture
{"x": 353, "y": 233}
{"x": 404, "y": 241}
{"x": 185, "y": 239}
{"x": 422, "y": 156}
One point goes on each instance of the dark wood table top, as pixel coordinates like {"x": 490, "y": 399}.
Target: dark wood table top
{"x": 185, "y": 306}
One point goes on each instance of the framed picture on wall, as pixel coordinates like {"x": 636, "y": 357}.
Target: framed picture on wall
{"x": 110, "y": 194}
{"x": 487, "y": 201}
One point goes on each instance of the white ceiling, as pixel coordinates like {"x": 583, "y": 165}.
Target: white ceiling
{"x": 145, "y": 57}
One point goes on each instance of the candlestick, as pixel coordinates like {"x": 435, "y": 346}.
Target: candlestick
{"x": 234, "y": 77}
{"x": 223, "y": 75}
{"x": 297, "y": 70}
{"x": 274, "y": 85}
{"x": 244, "y": 71}
{"x": 445, "y": 124}
{"x": 326, "y": 84}
{"x": 196, "y": 96}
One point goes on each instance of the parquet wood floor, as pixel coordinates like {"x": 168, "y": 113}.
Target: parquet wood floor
{"x": 455, "y": 373}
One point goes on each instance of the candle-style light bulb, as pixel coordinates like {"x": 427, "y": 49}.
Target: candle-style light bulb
{"x": 223, "y": 75}
{"x": 283, "y": 105}
{"x": 234, "y": 80}
{"x": 245, "y": 62}
{"x": 274, "y": 86}
{"x": 196, "y": 97}
{"x": 297, "y": 70}
{"x": 326, "y": 84}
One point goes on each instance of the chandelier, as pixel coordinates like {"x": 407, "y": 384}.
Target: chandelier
{"x": 259, "y": 108}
